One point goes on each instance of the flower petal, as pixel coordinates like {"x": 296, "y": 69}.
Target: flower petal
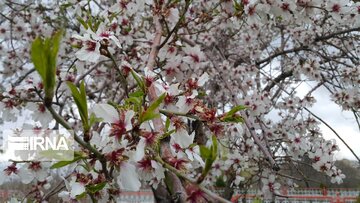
{"x": 140, "y": 151}
{"x": 182, "y": 138}
{"x": 76, "y": 189}
{"x": 107, "y": 112}
{"x": 128, "y": 116}
{"x": 203, "y": 79}
{"x": 128, "y": 178}
{"x": 25, "y": 175}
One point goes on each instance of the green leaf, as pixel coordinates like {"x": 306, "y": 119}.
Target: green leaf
{"x": 156, "y": 103}
{"x": 214, "y": 148}
{"x": 80, "y": 101}
{"x": 231, "y": 116}
{"x": 167, "y": 134}
{"x": 83, "y": 93}
{"x": 138, "y": 93}
{"x": 89, "y": 21}
{"x": 149, "y": 113}
{"x": 233, "y": 119}
{"x": 201, "y": 94}
{"x": 94, "y": 119}
{"x": 236, "y": 109}
{"x": 138, "y": 80}
{"x": 257, "y": 200}
{"x": 237, "y": 6}
{"x": 149, "y": 116}
{"x": 205, "y": 152}
{"x": 82, "y": 22}
{"x": 55, "y": 41}
{"x": 95, "y": 188}
{"x": 167, "y": 124}
{"x": 97, "y": 24}
{"x": 43, "y": 55}
{"x": 169, "y": 183}
{"x": 220, "y": 182}
{"x": 134, "y": 100}
{"x": 209, "y": 155}
{"x": 38, "y": 57}
{"x": 87, "y": 168}
{"x": 245, "y": 174}
{"x": 80, "y": 196}
{"x": 61, "y": 164}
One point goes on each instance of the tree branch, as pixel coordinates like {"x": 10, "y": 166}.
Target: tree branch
{"x": 306, "y": 48}
{"x": 84, "y": 144}
{"x": 191, "y": 180}
{"x": 278, "y": 79}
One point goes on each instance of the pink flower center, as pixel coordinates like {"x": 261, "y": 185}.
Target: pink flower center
{"x": 82, "y": 178}
{"x": 336, "y": 8}
{"x": 113, "y": 26}
{"x": 9, "y": 104}
{"x": 177, "y": 147}
{"x": 118, "y": 129}
{"x": 11, "y": 169}
{"x": 105, "y": 34}
{"x": 145, "y": 164}
{"x": 192, "y": 84}
{"x": 245, "y": 2}
{"x": 148, "y": 81}
{"x": 90, "y": 45}
{"x": 177, "y": 163}
{"x": 124, "y": 22}
{"x": 19, "y": 28}
{"x": 195, "y": 58}
{"x": 285, "y": 6}
{"x": 150, "y": 137}
{"x": 251, "y": 10}
{"x": 271, "y": 186}
{"x": 42, "y": 108}
{"x": 123, "y": 5}
{"x": 194, "y": 194}
{"x": 170, "y": 71}
{"x": 209, "y": 115}
{"x": 115, "y": 157}
{"x": 169, "y": 99}
{"x": 35, "y": 166}
{"x": 12, "y": 91}
{"x": 70, "y": 78}
{"x": 323, "y": 168}
{"x": 171, "y": 49}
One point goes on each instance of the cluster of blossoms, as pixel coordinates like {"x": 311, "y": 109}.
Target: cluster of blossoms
{"x": 180, "y": 91}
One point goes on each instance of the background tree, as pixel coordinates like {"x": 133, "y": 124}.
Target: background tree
{"x": 177, "y": 94}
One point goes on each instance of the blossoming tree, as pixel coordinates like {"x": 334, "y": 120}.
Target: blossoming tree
{"x": 176, "y": 95}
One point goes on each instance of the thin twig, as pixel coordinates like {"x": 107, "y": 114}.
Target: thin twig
{"x": 266, "y": 152}
{"x": 332, "y": 129}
